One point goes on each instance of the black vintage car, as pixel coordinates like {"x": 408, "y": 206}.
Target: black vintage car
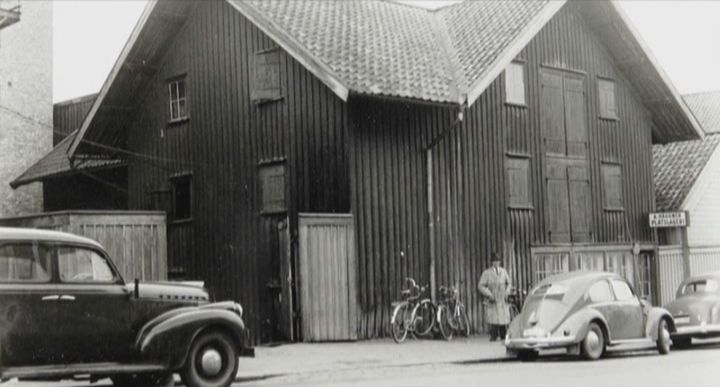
{"x": 66, "y": 311}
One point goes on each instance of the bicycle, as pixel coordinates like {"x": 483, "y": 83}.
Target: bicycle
{"x": 412, "y": 314}
{"x": 451, "y": 316}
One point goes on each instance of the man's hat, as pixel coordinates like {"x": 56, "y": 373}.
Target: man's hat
{"x": 495, "y": 257}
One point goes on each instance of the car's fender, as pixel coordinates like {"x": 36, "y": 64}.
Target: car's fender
{"x": 167, "y": 337}
{"x": 578, "y": 323}
{"x": 654, "y": 316}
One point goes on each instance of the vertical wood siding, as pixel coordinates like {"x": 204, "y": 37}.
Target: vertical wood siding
{"x": 228, "y": 243}
{"x": 69, "y": 115}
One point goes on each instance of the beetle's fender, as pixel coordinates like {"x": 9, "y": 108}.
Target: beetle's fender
{"x": 654, "y": 316}
{"x": 578, "y": 324}
{"x": 168, "y": 337}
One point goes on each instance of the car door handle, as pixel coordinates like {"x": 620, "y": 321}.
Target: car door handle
{"x": 54, "y": 297}
{"x": 65, "y": 297}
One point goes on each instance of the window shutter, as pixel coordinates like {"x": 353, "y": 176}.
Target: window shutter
{"x": 553, "y": 113}
{"x": 272, "y": 183}
{"x": 518, "y": 178}
{"x": 612, "y": 182}
{"x": 606, "y": 99}
{"x": 266, "y": 76}
{"x": 515, "y": 83}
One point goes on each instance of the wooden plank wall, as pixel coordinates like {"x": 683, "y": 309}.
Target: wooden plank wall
{"x": 222, "y": 144}
{"x": 69, "y": 115}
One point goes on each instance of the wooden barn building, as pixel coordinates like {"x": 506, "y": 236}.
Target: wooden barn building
{"x": 313, "y": 154}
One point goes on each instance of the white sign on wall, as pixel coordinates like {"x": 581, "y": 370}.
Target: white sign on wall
{"x": 668, "y": 219}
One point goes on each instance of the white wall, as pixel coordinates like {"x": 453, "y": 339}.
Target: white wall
{"x": 26, "y": 89}
{"x": 703, "y": 203}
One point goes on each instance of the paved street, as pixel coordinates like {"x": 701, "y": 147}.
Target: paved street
{"x": 696, "y": 367}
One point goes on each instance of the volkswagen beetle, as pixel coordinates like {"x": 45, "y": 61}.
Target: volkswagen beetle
{"x": 696, "y": 309}
{"x": 585, "y": 313}
{"x": 66, "y": 311}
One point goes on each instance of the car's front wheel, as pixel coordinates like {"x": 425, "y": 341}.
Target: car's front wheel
{"x": 211, "y": 362}
{"x": 593, "y": 345}
{"x": 663, "y": 340}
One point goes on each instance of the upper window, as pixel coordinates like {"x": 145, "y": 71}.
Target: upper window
{"x": 515, "y": 84}
{"x": 613, "y": 189}
{"x": 600, "y": 292}
{"x": 181, "y": 197}
{"x": 518, "y": 178}
{"x": 178, "y": 99}
{"x": 272, "y": 183}
{"x": 607, "y": 102}
{"x": 76, "y": 264}
{"x": 266, "y": 76}
{"x": 700, "y": 286}
{"x": 622, "y": 290}
{"x": 24, "y": 262}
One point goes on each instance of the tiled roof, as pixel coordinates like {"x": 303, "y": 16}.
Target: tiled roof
{"x": 386, "y": 48}
{"x": 677, "y": 167}
{"x": 56, "y": 163}
{"x": 706, "y": 107}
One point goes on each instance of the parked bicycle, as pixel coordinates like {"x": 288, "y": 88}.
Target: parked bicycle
{"x": 515, "y": 301}
{"x": 452, "y": 317}
{"x": 414, "y": 314}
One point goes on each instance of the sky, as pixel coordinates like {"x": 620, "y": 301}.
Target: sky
{"x": 89, "y": 35}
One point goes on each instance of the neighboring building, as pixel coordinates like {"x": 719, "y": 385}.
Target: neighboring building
{"x": 311, "y": 155}
{"x": 687, "y": 178}
{"x": 25, "y": 99}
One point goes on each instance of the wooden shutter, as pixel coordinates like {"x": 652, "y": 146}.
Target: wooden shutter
{"x": 612, "y": 184}
{"x": 580, "y": 203}
{"x": 518, "y": 182}
{"x": 272, "y": 180}
{"x": 558, "y": 207}
{"x": 266, "y": 76}
{"x": 553, "y": 113}
{"x": 576, "y": 117}
{"x": 606, "y": 99}
{"x": 515, "y": 83}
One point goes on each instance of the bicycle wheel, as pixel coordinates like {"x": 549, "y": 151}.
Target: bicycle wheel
{"x": 398, "y": 322}
{"x": 463, "y": 321}
{"x": 444, "y": 324}
{"x": 424, "y": 317}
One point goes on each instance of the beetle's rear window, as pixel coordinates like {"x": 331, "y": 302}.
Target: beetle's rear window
{"x": 24, "y": 262}
{"x": 555, "y": 291}
{"x": 701, "y": 286}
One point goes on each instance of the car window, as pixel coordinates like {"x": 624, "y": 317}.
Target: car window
{"x": 700, "y": 286}
{"x": 600, "y": 292}
{"x": 77, "y": 264}
{"x": 622, "y": 290}
{"x": 555, "y": 291}
{"x": 24, "y": 262}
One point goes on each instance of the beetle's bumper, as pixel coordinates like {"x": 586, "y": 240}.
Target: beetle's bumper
{"x": 538, "y": 343}
{"x": 697, "y": 330}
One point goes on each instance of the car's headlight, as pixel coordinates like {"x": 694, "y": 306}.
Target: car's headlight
{"x": 714, "y": 314}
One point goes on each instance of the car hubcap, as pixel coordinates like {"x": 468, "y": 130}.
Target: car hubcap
{"x": 593, "y": 342}
{"x": 211, "y": 362}
{"x": 665, "y": 335}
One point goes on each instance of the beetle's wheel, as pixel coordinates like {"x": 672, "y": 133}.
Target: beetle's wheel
{"x": 593, "y": 346}
{"x": 663, "y": 340}
{"x": 211, "y": 362}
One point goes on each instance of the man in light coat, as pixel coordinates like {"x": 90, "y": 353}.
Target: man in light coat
{"x": 495, "y": 286}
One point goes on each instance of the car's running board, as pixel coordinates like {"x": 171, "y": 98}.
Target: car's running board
{"x": 51, "y": 371}
{"x": 632, "y": 342}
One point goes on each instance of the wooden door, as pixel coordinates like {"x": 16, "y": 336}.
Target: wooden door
{"x": 565, "y": 142}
